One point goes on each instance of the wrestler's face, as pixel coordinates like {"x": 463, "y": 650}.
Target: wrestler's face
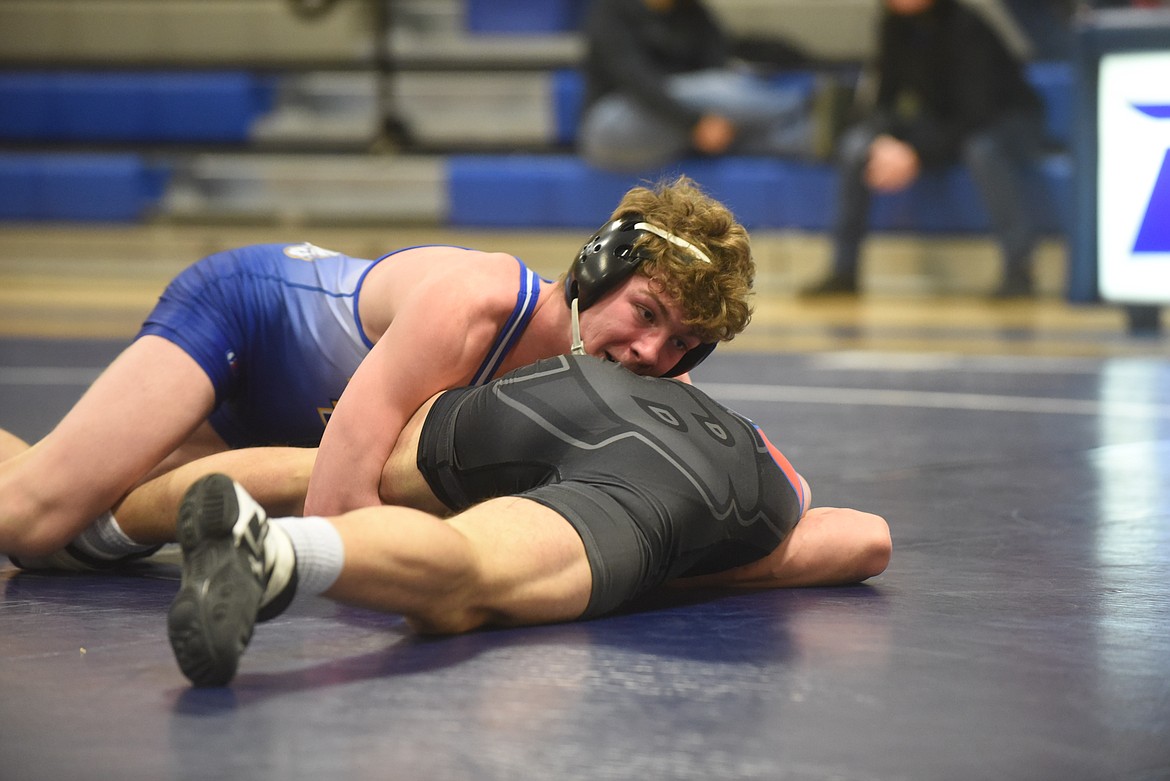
{"x": 637, "y": 326}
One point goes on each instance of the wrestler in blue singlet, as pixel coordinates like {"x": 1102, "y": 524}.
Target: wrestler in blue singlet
{"x": 277, "y": 330}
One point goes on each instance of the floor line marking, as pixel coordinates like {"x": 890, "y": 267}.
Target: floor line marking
{"x": 805, "y": 394}
{"x": 931, "y": 399}
{"x": 47, "y": 375}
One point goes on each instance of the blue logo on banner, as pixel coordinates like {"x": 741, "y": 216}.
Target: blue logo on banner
{"x": 1154, "y": 235}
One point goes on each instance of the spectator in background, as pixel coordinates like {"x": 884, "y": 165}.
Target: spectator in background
{"x": 663, "y": 81}
{"x": 1047, "y": 24}
{"x": 949, "y": 90}
{"x": 1126, "y": 3}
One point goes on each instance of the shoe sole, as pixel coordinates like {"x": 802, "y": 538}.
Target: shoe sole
{"x": 211, "y": 619}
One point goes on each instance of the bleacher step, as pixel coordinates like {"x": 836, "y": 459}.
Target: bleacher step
{"x": 292, "y": 188}
{"x": 464, "y": 110}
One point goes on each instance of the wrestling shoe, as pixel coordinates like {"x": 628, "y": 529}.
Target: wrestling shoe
{"x": 71, "y": 558}
{"x": 229, "y": 571}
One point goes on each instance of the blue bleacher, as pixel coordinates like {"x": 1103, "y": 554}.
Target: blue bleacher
{"x": 75, "y": 187}
{"x": 524, "y": 16}
{"x": 563, "y": 191}
{"x": 131, "y": 107}
{"x": 112, "y": 108}
{"x": 483, "y": 190}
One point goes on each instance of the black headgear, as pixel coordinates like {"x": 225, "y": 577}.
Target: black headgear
{"x": 608, "y": 259}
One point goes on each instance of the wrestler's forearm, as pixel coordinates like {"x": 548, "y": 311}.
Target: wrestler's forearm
{"x": 348, "y": 470}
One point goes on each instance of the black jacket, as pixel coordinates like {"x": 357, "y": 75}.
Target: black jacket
{"x": 633, "y": 49}
{"x": 943, "y": 74}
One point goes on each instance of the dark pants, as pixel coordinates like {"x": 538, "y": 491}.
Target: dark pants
{"x": 998, "y": 158}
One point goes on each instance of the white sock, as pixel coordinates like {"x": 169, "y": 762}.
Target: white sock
{"x": 319, "y": 550}
{"x": 104, "y": 539}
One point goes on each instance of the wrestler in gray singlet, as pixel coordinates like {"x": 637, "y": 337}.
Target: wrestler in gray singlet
{"x": 658, "y": 479}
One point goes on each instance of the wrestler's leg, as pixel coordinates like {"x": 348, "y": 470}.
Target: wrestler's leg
{"x": 508, "y": 561}
{"x": 276, "y": 477}
{"x": 829, "y": 546}
{"x": 11, "y": 445}
{"x": 140, "y": 410}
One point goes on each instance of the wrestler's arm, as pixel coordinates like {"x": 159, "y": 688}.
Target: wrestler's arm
{"x": 435, "y": 341}
{"x": 276, "y": 477}
{"x": 829, "y": 546}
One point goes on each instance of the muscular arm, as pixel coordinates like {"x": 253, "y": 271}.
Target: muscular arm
{"x": 436, "y": 340}
{"x": 830, "y": 546}
{"x": 365, "y": 425}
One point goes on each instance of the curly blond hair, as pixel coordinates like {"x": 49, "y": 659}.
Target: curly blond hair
{"x": 715, "y": 296}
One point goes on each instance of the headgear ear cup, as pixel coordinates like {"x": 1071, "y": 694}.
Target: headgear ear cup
{"x": 693, "y": 358}
{"x": 608, "y": 259}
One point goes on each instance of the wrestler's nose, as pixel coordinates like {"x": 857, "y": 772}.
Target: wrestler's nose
{"x": 649, "y": 353}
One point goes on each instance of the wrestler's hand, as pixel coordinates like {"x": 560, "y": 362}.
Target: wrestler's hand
{"x": 893, "y": 165}
{"x": 712, "y": 134}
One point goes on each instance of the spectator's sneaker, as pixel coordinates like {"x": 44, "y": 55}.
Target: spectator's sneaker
{"x": 833, "y": 285}
{"x": 1014, "y": 286}
{"x": 222, "y": 532}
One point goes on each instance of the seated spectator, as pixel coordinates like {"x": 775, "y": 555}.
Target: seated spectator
{"x": 664, "y": 81}
{"x": 949, "y": 91}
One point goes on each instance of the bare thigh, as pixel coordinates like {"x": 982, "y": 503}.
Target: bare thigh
{"x": 11, "y": 445}
{"x": 532, "y": 564}
{"x": 143, "y": 406}
{"x": 203, "y": 442}
{"x": 507, "y": 561}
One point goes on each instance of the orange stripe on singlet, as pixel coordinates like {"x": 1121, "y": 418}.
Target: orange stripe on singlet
{"x": 787, "y": 468}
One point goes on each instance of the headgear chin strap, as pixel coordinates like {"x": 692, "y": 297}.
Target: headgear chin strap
{"x": 578, "y": 347}
{"x": 607, "y": 260}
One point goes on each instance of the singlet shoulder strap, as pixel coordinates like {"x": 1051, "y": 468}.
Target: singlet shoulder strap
{"x": 526, "y": 299}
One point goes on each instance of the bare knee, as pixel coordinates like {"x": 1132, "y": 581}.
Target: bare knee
{"x": 41, "y": 510}
{"x": 437, "y": 585}
{"x": 452, "y": 613}
{"x": 35, "y": 536}
{"x": 445, "y": 622}
{"x": 464, "y": 604}
{"x": 31, "y": 526}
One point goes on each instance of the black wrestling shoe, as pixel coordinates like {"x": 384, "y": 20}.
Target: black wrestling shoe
{"x": 222, "y": 531}
{"x": 73, "y": 559}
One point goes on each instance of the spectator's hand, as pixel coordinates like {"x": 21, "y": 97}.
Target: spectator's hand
{"x": 893, "y": 165}
{"x": 712, "y": 134}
